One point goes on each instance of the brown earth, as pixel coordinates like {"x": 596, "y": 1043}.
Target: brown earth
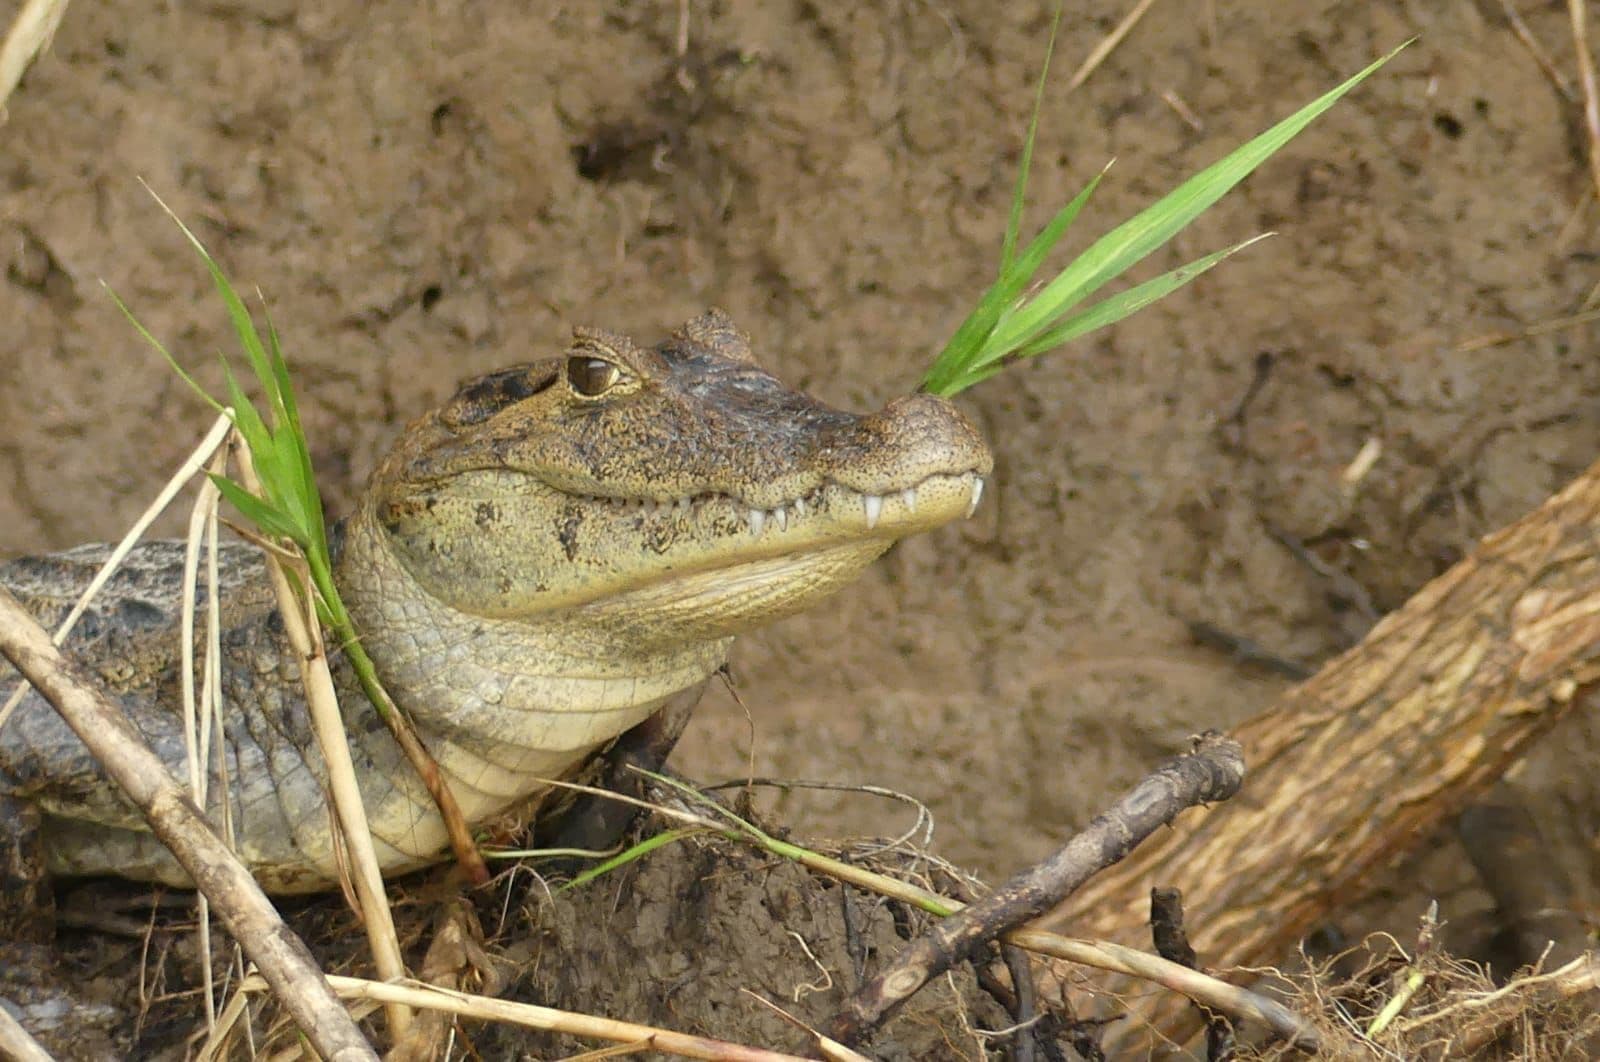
{"x": 428, "y": 191}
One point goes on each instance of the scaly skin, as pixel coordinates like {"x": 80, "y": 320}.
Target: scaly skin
{"x": 536, "y": 568}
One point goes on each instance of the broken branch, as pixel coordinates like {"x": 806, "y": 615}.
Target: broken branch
{"x": 1213, "y": 771}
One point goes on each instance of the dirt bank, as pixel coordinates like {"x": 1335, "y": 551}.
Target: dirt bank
{"x": 427, "y": 191}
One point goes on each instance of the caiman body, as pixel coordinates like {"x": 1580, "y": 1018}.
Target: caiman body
{"x": 537, "y": 567}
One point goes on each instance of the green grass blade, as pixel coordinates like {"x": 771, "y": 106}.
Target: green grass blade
{"x": 1040, "y": 246}
{"x": 283, "y": 388}
{"x": 1113, "y": 309}
{"x": 1106, "y": 312}
{"x": 266, "y": 518}
{"x": 1131, "y": 241}
{"x": 283, "y": 461}
{"x": 969, "y": 375}
{"x": 237, "y": 313}
{"x": 1003, "y": 293}
{"x": 280, "y": 373}
{"x": 161, "y": 348}
{"x": 329, "y": 601}
{"x": 291, "y": 488}
{"x": 1019, "y": 195}
{"x": 695, "y": 796}
{"x": 291, "y": 416}
{"x": 252, "y": 429}
{"x": 638, "y": 851}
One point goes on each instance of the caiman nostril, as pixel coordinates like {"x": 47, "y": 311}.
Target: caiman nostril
{"x": 918, "y": 434}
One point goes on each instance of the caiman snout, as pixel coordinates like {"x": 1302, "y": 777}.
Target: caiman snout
{"x": 910, "y": 440}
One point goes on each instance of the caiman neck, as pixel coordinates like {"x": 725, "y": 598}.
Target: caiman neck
{"x": 455, "y": 673}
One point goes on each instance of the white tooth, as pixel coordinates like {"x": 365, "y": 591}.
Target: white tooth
{"x": 781, "y": 515}
{"x": 909, "y": 497}
{"x": 758, "y": 520}
{"x": 799, "y": 506}
{"x": 683, "y": 505}
{"x": 977, "y": 492}
{"x": 874, "y": 504}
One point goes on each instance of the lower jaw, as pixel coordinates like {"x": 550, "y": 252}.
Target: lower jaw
{"x": 726, "y": 601}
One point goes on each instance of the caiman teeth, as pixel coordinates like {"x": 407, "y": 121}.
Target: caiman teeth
{"x": 791, "y": 511}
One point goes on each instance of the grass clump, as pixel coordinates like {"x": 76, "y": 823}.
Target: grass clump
{"x": 1010, "y": 323}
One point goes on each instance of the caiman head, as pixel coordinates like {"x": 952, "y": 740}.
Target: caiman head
{"x": 673, "y": 493}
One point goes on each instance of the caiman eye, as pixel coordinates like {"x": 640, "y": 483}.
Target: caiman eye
{"x": 591, "y": 377}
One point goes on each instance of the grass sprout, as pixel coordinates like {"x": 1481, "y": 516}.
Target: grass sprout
{"x": 288, "y": 506}
{"x": 1009, "y": 323}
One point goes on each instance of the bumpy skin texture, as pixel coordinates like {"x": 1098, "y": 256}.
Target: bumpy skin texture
{"x": 536, "y": 568}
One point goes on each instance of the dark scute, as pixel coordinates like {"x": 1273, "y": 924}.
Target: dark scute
{"x": 482, "y": 398}
{"x": 336, "y": 534}
{"x": 136, "y": 615}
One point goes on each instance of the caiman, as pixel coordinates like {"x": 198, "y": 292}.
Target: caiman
{"x": 564, "y": 549}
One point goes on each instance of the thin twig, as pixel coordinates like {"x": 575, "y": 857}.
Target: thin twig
{"x": 1203, "y": 988}
{"x": 923, "y": 826}
{"x": 100, "y": 724}
{"x": 1109, "y": 44}
{"x": 1171, "y": 939}
{"x": 216, "y": 1041}
{"x": 1184, "y": 112}
{"x": 1540, "y": 56}
{"x": 1416, "y": 975}
{"x": 829, "y": 1049}
{"x": 305, "y": 635}
{"x": 462, "y": 844}
{"x": 30, "y": 34}
{"x": 1539, "y": 328}
{"x": 487, "y": 1008}
{"x": 201, "y": 517}
{"x": 1026, "y": 1012}
{"x": 1591, "y": 97}
{"x": 1212, "y": 772}
{"x": 192, "y": 464}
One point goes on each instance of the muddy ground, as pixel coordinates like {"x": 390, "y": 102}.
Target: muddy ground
{"x": 425, "y": 191}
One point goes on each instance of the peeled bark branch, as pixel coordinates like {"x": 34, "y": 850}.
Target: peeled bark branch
{"x": 1353, "y": 767}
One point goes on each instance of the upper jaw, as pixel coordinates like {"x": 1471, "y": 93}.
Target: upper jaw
{"x": 915, "y": 465}
{"x": 763, "y": 459}
{"x": 933, "y": 500}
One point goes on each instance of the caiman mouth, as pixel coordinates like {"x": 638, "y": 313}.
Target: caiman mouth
{"x": 828, "y": 497}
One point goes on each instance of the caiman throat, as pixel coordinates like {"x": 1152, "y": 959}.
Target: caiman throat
{"x": 537, "y": 567}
